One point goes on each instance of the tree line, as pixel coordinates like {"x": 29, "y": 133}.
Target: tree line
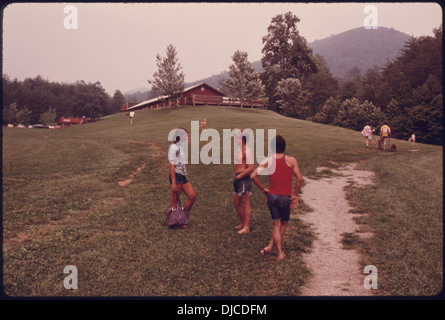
{"x": 37, "y": 100}
{"x": 405, "y": 94}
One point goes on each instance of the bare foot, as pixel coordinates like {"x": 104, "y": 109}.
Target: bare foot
{"x": 265, "y": 251}
{"x": 239, "y": 226}
{"x": 281, "y": 256}
{"x": 244, "y": 230}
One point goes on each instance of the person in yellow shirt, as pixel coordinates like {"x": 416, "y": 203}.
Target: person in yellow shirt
{"x": 385, "y": 134}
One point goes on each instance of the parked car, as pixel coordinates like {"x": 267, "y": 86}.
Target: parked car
{"x": 38, "y": 126}
{"x": 20, "y": 126}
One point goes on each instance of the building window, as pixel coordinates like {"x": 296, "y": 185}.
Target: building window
{"x": 202, "y": 89}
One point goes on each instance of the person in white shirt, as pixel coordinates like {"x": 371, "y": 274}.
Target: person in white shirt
{"x": 178, "y": 172}
{"x": 367, "y": 132}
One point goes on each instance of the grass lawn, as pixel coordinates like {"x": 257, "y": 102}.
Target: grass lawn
{"x": 62, "y": 205}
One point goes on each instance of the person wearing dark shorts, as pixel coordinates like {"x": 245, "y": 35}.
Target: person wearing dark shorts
{"x": 242, "y": 182}
{"x": 279, "y": 207}
{"x": 242, "y": 185}
{"x": 178, "y": 173}
{"x": 280, "y": 198}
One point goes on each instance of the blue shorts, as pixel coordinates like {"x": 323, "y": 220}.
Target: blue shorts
{"x": 179, "y": 178}
{"x": 279, "y": 207}
{"x": 241, "y": 186}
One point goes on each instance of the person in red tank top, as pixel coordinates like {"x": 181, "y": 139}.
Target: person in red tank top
{"x": 280, "y": 197}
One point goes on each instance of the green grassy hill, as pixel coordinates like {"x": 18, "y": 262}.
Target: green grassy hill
{"x": 62, "y": 205}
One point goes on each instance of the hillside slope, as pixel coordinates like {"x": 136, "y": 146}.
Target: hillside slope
{"x": 63, "y": 205}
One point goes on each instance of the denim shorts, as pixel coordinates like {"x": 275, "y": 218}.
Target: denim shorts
{"x": 241, "y": 186}
{"x": 179, "y": 178}
{"x": 279, "y": 207}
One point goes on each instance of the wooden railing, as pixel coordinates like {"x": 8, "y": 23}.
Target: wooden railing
{"x": 222, "y": 101}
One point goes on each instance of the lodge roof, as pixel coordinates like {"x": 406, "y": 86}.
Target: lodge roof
{"x": 152, "y": 101}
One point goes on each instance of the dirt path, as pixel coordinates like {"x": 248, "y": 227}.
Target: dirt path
{"x": 336, "y": 271}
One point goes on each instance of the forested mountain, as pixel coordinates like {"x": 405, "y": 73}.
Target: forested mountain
{"x": 360, "y": 48}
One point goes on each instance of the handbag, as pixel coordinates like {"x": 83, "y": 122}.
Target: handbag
{"x": 176, "y": 216}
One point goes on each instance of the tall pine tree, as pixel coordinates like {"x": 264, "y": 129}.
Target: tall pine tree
{"x": 169, "y": 79}
{"x": 244, "y": 81}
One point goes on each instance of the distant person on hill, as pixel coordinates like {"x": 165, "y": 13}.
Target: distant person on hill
{"x": 385, "y": 134}
{"x": 280, "y": 198}
{"x": 367, "y": 132}
{"x": 131, "y": 117}
{"x": 412, "y": 138}
{"x": 203, "y": 124}
{"x": 242, "y": 182}
{"x": 178, "y": 173}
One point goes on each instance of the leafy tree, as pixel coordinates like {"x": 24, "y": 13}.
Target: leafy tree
{"x": 329, "y": 111}
{"x": 291, "y": 99}
{"x": 10, "y": 114}
{"x": 244, "y": 81}
{"x": 369, "y": 85}
{"x": 48, "y": 117}
{"x": 319, "y": 86}
{"x": 350, "y": 86}
{"x": 397, "y": 119}
{"x": 169, "y": 79}
{"x": 285, "y": 55}
{"x": 426, "y": 121}
{"x": 117, "y": 101}
{"x": 354, "y": 115}
{"x": 24, "y": 116}
{"x": 15, "y": 115}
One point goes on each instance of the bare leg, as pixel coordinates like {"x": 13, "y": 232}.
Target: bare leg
{"x": 176, "y": 196}
{"x": 239, "y": 209}
{"x": 277, "y": 235}
{"x": 277, "y": 238}
{"x": 191, "y": 197}
{"x": 190, "y": 193}
{"x": 247, "y": 213}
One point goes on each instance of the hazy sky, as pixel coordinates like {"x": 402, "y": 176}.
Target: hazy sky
{"x": 116, "y": 43}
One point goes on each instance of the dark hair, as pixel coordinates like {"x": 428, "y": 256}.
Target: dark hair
{"x": 278, "y": 144}
{"x": 244, "y": 136}
{"x": 179, "y": 132}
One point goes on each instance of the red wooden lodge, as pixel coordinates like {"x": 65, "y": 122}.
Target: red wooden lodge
{"x": 200, "y": 94}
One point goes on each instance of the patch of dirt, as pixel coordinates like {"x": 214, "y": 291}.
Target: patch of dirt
{"x": 125, "y": 182}
{"x": 335, "y": 271}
